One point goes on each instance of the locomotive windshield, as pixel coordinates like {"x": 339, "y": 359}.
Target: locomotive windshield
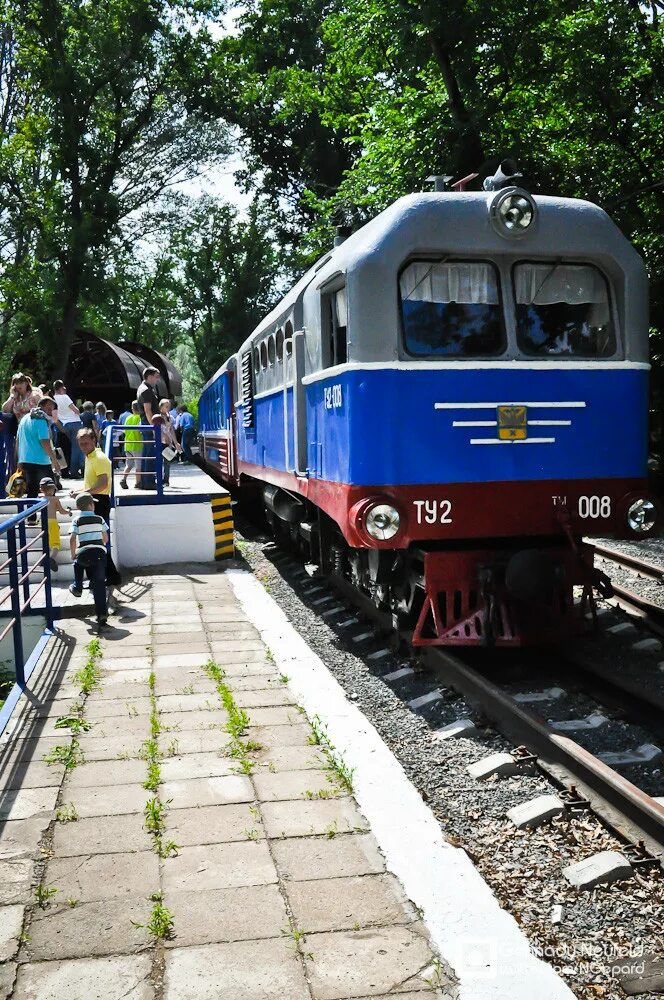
{"x": 563, "y": 309}
{"x": 451, "y": 308}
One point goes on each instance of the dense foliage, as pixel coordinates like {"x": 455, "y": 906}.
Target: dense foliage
{"x": 338, "y": 107}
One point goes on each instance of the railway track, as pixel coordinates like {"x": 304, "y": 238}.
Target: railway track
{"x": 651, "y": 614}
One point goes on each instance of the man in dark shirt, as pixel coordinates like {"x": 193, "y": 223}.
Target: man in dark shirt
{"x": 148, "y": 401}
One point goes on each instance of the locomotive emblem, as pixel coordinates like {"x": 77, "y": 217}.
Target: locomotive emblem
{"x": 512, "y": 423}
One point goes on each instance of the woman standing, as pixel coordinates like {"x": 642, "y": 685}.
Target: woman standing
{"x": 22, "y": 397}
{"x": 168, "y": 438}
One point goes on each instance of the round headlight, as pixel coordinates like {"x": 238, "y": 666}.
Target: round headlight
{"x": 512, "y": 212}
{"x": 641, "y": 516}
{"x": 382, "y": 522}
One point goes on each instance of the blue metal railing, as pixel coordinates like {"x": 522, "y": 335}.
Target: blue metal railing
{"x": 18, "y": 592}
{"x": 154, "y": 461}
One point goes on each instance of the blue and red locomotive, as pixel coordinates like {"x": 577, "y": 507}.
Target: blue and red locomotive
{"x": 446, "y": 404}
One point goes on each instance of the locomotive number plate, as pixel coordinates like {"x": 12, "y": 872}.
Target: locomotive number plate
{"x": 512, "y": 423}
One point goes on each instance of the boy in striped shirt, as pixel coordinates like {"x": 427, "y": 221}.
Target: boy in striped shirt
{"x": 89, "y": 533}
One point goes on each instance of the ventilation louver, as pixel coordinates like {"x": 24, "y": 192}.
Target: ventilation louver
{"x": 247, "y": 390}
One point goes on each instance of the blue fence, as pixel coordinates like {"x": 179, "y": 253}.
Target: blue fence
{"x": 17, "y": 597}
{"x": 151, "y": 463}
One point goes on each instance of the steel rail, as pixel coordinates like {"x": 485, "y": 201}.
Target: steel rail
{"x": 651, "y": 614}
{"x": 630, "y": 812}
{"x": 648, "y": 569}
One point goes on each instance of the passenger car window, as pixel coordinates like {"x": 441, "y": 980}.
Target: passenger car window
{"x": 563, "y": 309}
{"x": 451, "y": 308}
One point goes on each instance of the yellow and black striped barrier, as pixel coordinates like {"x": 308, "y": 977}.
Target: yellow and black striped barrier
{"x": 222, "y": 520}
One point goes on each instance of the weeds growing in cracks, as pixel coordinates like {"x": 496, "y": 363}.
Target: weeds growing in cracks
{"x": 339, "y": 772}
{"x": 238, "y": 720}
{"x": 89, "y": 677}
{"x": 155, "y": 808}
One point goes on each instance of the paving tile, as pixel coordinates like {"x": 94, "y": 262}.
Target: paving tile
{"x": 366, "y": 962}
{"x": 180, "y": 660}
{"x": 170, "y": 681}
{"x": 104, "y": 876}
{"x": 229, "y": 625}
{"x": 106, "y": 772}
{"x": 20, "y": 837}
{"x": 220, "y": 866}
{"x": 213, "y": 825}
{"x": 124, "y": 690}
{"x": 241, "y": 914}
{"x": 121, "y": 977}
{"x": 127, "y": 659}
{"x": 101, "y": 835}
{"x": 110, "y": 747}
{"x": 281, "y": 736}
{"x": 324, "y": 857}
{"x": 254, "y": 682}
{"x": 296, "y": 785}
{"x": 280, "y": 716}
{"x": 11, "y": 925}
{"x": 211, "y": 718}
{"x": 196, "y": 765}
{"x": 290, "y": 758}
{"x": 179, "y": 703}
{"x": 232, "y": 613}
{"x": 241, "y": 664}
{"x": 214, "y": 791}
{"x": 337, "y": 904}
{"x": 244, "y": 970}
{"x": 7, "y": 977}
{"x": 266, "y": 698}
{"x": 25, "y": 773}
{"x": 16, "y": 876}
{"x": 27, "y": 802}
{"x": 121, "y": 677}
{"x": 308, "y": 818}
{"x": 179, "y": 650}
{"x": 108, "y": 801}
{"x": 89, "y": 929}
{"x": 195, "y": 741}
{"x": 121, "y": 708}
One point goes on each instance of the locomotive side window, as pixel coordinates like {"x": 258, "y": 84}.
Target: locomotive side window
{"x": 280, "y": 345}
{"x": 563, "y": 309}
{"x": 451, "y": 308}
{"x": 336, "y": 318}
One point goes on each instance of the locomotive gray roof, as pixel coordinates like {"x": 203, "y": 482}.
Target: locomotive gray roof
{"x": 457, "y": 224}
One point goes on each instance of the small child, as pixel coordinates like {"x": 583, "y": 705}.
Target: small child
{"x": 91, "y": 531}
{"x": 133, "y": 443}
{"x": 47, "y": 488}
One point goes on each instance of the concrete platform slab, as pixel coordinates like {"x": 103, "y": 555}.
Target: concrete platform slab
{"x": 349, "y": 903}
{"x": 122, "y": 677}
{"x": 102, "y": 773}
{"x": 281, "y": 716}
{"x": 213, "y": 825}
{"x": 101, "y": 835}
{"x": 108, "y": 801}
{"x": 290, "y": 758}
{"x": 22, "y": 773}
{"x": 247, "y": 970}
{"x": 121, "y": 977}
{"x": 220, "y": 866}
{"x": 104, "y": 876}
{"x": 110, "y": 747}
{"x": 196, "y": 765}
{"x": 11, "y": 926}
{"x": 23, "y": 803}
{"x": 310, "y": 818}
{"x": 303, "y": 860}
{"x": 242, "y": 914}
{"x": 359, "y": 963}
{"x": 194, "y": 741}
{"x": 89, "y": 930}
{"x": 264, "y": 698}
{"x": 16, "y": 878}
{"x": 213, "y": 717}
{"x": 120, "y": 708}
{"x": 19, "y": 837}
{"x": 210, "y": 791}
{"x": 296, "y": 735}
{"x": 307, "y": 784}
{"x": 162, "y": 660}
{"x": 204, "y": 701}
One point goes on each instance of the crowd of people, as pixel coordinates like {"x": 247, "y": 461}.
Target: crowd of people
{"x": 55, "y": 437}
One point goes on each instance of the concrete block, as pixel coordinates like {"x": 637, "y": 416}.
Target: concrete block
{"x": 649, "y": 645}
{"x": 220, "y": 866}
{"x": 242, "y": 970}
{"x": 348, "y": 963}
{"x": 600, "y": 869}
{"x": 291, "y": 758}
{"x": 11, "y": 925}
{"x": 124, "y": 977}
{"x": 495, "y": 763}
{"x": 242, "y": 914}
{"x": 400, "y": 674}
{"x": 622, "y": 629}
{"x": 279, "y": 716}
{"x": 342, "y": 903}
{"x": 109, "y": 800}
{"x": 296, "y": 785}
{"x": 592, "y": 721}
{"x": 306, "y": 819}
{"x": 100, "y": 773}
{"x": 16, "y": 881}
{"x": 462, "y": 727}
{"x": 194, "y": 792}
{"x": 196, "y": 765}
{"x": 535, "y": 811}
{"x": 424, "y": 700}
{"x": 101, "y": 835}
{"x": 266, "y": 698}
{"x": 89, "y": 929}
{"x": 548, "y": 694}
{"x": 324, "y": 857}
{"x": 213, "y": 825}
{"x": 26, "y": 802}
{"x": 619, "y": 758}
{"x": 104, "y": 876}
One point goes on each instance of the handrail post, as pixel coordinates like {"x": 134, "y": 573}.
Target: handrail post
{"x": 48, "y": 596}
{"x": 159, "y": 462}
{"x": 23, "y": 541}
{"x": 17, "y": 629}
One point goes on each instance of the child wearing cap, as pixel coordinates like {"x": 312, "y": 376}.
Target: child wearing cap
{"x": 89, "y": 533}
{"x": 47, "y": 489}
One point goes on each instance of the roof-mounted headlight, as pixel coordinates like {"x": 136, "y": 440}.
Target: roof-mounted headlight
{"x": 512, "y": 212}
